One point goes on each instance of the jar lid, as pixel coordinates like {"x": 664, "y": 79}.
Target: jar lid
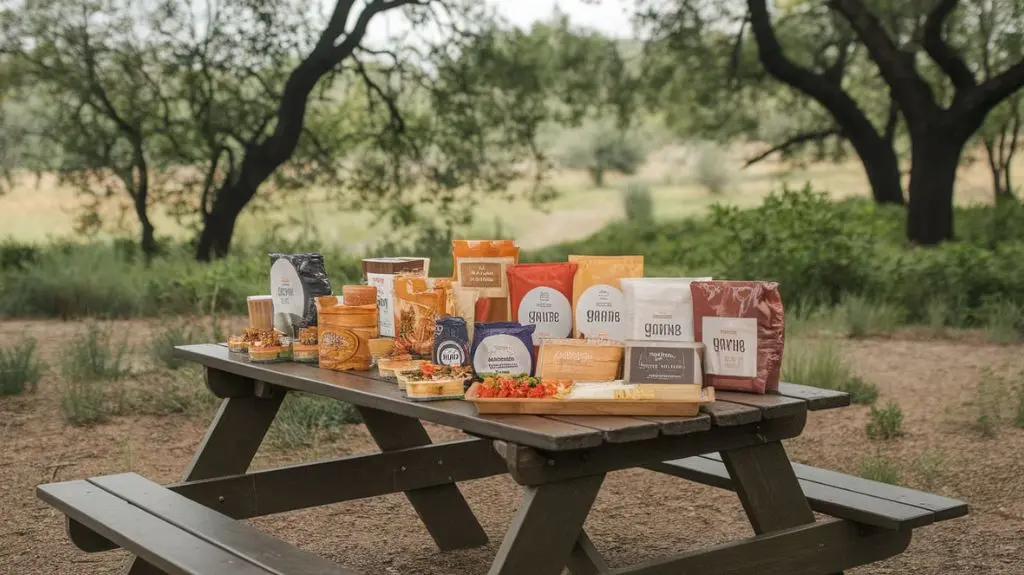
{"x": 259, "y": 297}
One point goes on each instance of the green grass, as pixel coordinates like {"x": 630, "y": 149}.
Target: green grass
{"x": 161, "y": 345}
{"x": 821, "y": 365}
{"x": 93, "y": 355}
{"x": 306, "y": 420}
{"x": 885, "y": 423}
{"x": 879, "y": 468}
{"x": 173, "y": 391}
{"x": 861, "y": 392}
{"x": 864, "y": 318}
{"x": 1003, "y": 321}
{"x": 991, "y": 402}
{"x": 929, "y": 468}
{"x": 20, "y": 367}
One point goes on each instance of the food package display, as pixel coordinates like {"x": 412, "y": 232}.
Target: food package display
{"x": 268, "y": 347}
{"x": 431, "y": 382}
{"x": 502, "y": 347}
{"x": 541, "y": 295}
{"x": 579, "y": 359}
{"x": 451, "y": 341}
{"x": 482, "y": 265}
{"x": 380, "y": 273}
{"x": 296, "y": 280}
{"x": 344, "y": 334}
{"x": 240, "y": 343}
{"x": 742, "y": 327}
{"x": 359, "y": 295}
{"x": 446, "y": 286}
{"x": 659, "y": 309}
{"x": 305, "y": 348}
{"x": 465, "y": 305}
{"x": 598, "y": 306}
{"x": 417, "y": 308}
{"x": 663, "y": 362}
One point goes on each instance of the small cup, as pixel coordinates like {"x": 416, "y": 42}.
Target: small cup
{"x": 261, "y": 311}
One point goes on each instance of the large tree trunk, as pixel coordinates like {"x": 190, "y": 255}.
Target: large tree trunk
{"x": 935, "y": 157}
{"x": 882, "y": 168}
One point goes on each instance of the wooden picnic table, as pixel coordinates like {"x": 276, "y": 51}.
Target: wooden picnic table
{"x": 560, "y": 461}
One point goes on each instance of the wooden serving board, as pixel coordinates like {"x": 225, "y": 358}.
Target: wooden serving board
{"x": 675, "y": 407}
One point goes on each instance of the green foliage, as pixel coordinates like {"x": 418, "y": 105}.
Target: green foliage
{"x": 711, "y": 169}
{"x": 599, "y": 147}
{"x": 177, "y": 391}
{"x": 991, "y": 402}
{"x": 20, "y": 367}
{"x": 93, "y": 355}
{"x": 305, "y": 420}
{"x": 879, "y": 468}
{"x": 638, "y": 203}
{"x": 861, "y": 392}
{"x": 866, "y": 318}
{"x": 161, "y": 345}
{"x": 885, "y": 423}
{"x": 1003, "y": 320}
{"x": 822, "y": 365}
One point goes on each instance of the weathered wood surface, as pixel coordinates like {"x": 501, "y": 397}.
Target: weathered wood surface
{"x": 174, "y": 534}
{"x": 549, "y": 433}
{"x": 843, "y": 496}
{"x": 767, "y": 487}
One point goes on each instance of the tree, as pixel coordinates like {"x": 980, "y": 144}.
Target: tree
{"x": 942, "y": 103}
{"x": 600, "y": 146}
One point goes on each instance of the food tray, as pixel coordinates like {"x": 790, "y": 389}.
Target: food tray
{"x": 682, "y": 407}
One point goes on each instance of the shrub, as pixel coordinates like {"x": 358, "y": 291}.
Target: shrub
{"x": 599, "y": 147}
{"x": 879, "y": 468}
{"x": 818, "y": 365}
{"x": 178, "y": 391}
{"x": 161, "y": 345}
{"x": 305, "y": 420}
{"x": 711, "y": 168}
{"x": 92, "y": 356}
{"x": 638, "y": 204}
{"x": 1003, "y": 321}
{"x": 865, "y": 318}
{"x": 885, "y": 423}
{"x": 86, "y": 402}
{"x": 20, "y": 367}
{"x": 990, "y": 402}
{"x": 929, "y": 468}
{"x": 861, "y": 392}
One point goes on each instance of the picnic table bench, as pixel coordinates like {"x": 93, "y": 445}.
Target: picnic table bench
{"x": 560, "y": 462}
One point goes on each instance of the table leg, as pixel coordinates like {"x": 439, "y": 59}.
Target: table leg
{"x": 230, "y": 444}
{"x": 442, "y": 508}
{"x": 547, "y": 525}
{"x": 586, "y": 559}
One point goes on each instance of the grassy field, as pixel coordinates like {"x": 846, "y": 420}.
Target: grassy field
{"x": 39, "y": 208}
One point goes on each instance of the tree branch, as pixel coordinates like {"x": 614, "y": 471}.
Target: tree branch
{"x": 946, "y": 57}
{"x": 987, "y": 95}
{"x": 793, "y": 142}
{"x": 909, "y": 89}
{"x": 353, "y": 38}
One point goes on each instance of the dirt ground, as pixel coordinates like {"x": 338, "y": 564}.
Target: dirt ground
{"x": 638, "y": 515}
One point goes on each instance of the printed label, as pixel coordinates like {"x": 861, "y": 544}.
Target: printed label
{"x": 286, "y": 288}
{"x": 730, "y": 346}
{"x": 481, "y": 274}
{"x": 385, "y": 284}
{"x": 662, "y": 365}
{"x": 549, "y": 310}
{"x": 450, "y": 353}
{"x": 599, "y": 313}
{"x": 339, "y": 344}
{"x": 502, "y": 353}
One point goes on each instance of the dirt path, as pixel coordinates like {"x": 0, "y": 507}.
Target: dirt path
{"x": 638, "y": 514}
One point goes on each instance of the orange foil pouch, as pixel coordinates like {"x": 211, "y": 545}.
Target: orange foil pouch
{"x": 418, "y": 307}
{"x": 599, "y": 307}
{"x": 541, "y": 295}
{"x": 742, "y": 327}
{"x": 481, "y": 265}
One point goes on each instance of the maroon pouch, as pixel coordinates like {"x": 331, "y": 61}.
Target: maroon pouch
{"x": 742, "y": 328}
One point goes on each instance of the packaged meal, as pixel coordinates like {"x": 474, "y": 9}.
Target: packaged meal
{"x": 451, "y": 341}
{"x": 296, "y": 280}
{"x": 481, "y": 265}
{"x": 417, "y": 309}
{"x": 541, "y": 294}
{"x": 659, "y": 309}
{"x": 742, "y": 327}
{"x": 579, "y": 359}
{"x": 503, "y": 347}
{"x": 380, "y": 273}
{"x": 597, "y": 301}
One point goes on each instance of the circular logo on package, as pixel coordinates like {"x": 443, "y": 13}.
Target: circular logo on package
{"x": 286, "y": 288}
{"x": 549, "y": 310}
{"x": 502, "y": 353}
{"x": 599, "y": 313}
{"x": 341, "y": 343}
{"x": 450, "y": 353}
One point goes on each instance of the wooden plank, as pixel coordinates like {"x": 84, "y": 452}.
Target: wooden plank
{"x": 725, "y": 414}
{"x": 816, "y": 397}
{"x": 271, "y": 554}
{"x": 163, "y": 545}
{"x": 302, "y": 486}
{"x": 615, "y": 429}
{"x": 233, "y": 437}
{"x": 813, "y": 549}
{"x": 772, "y": 405}
{"x": 365, "y": 390}
{"x": 681, "y": 425}
{"x": 442, "y": 508}
{"x": 546, "y": 527}
{"x": 767, "y": 487}
{"x": 532, "y": 467}
{"x": 942, "y": 507}
{"x": 822, "y": 498}
{"x": 586, "y": 559}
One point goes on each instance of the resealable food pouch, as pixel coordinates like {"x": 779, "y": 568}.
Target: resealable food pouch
{"x": 742, "y": 328}
{"x": 451, "y": 341}
{"x": 503, "y": 347}
{"x": 659, "y": 309}
{"x": 296, "y": 280}
{"x": 417, "y": 308}
{"x": 541, "y": 295}
{"x": 598, "y": 306}
{"x": 481, "y": 265}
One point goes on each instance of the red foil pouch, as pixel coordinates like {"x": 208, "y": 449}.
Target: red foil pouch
{"x": 742, "y": 328}
{"x": 541, "y": 295}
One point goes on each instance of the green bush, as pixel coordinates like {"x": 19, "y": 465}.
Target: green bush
{"x": 885, "y": 423}
{"x": 92, "y": 355}
{"x": 866, "y": 318}
{"x": 638, "y": 204}
{"x": 161, "y": 345}
{"x": 710, "y": 168}
{"x": 861, "y": 392}
{"x": 879, "y": 468}
{"x": 20, "y": 367}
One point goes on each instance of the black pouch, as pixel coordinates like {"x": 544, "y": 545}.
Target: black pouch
{"x": 296, "y": 280}
{"x": 451, "y": 341}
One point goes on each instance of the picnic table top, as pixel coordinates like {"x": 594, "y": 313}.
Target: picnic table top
{"x": 550, "y": 432}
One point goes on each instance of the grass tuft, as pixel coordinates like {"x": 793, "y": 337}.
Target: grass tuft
{"x": 20, "y": 367}
{"x": 885, "y": 423}
{"x": 1003, "y": 321}
{"x": 879, "y": 468}
{"x": 161, "y": 345}
{"x": 175, "y": 391}
{"x": 93, "y": 355}
{"x": 305, "y": 420}
{"x": 929, "y": 468}
{"x": 861, "y": 392}
{"x": 865, "y": 318}
{"x": 990, "y": 401}
{"x": 822, "y": 365}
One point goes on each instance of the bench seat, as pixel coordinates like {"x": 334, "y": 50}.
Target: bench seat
{"x": 836, "y": 494}
{"x": 172, "y": 533}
